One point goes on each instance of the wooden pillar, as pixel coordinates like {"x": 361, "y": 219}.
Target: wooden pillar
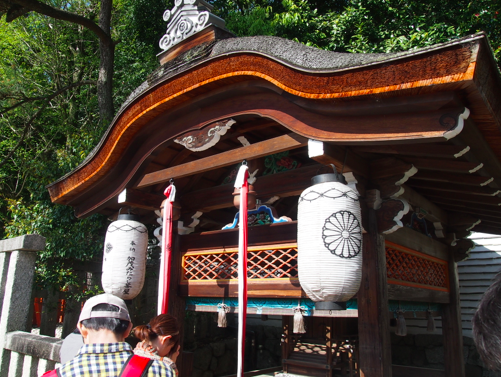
{"x": 177, "y": 304}
{"x": 286, "y": 339}
{"x": 451, "y": 327}
{"x": 373, "y": 312}
{"x": 328, "y": 343}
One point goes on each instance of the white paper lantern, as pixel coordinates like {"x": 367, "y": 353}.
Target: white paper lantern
{"x": 124, "y": 259}
{"x": 329, "y": 240}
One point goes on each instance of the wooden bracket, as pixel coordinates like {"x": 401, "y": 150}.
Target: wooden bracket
{"x": 389, "y": 174}
{"x": 390, "y": 214}
{"x": 181, "y": 229}
{"x": 461, "y": 251}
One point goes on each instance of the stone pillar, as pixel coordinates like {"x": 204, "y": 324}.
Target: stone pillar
{"x": 4, "y": 267}
{"x": 18, "y": 288}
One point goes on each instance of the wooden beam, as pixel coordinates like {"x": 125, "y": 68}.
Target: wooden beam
{"x": 413, "y": 240}
{"x": 259, "y": 235}
{"x": 341, "y": 157}
{"x": 450, "y": 187}
{"x": 292, "y": 182}
{"x": 422, "y": 150}
{"x": 140, "y": 199}
{"x": 261, "y": 149}
{"x": 452, "y": 166}
{"x": 433, "y": 212}
{"x": 404, "y": 293}
{"x": 462, "y": 179}
{"x": 373, "y": 311}
{"x": 281, "y": 288}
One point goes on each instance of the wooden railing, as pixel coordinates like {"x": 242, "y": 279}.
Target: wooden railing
{"x": 209, "y": 270}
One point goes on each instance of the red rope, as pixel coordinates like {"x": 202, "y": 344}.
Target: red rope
{"x": 242, "y": 275}
{"x": 167, "y": 249}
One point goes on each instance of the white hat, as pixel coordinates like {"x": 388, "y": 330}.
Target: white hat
{"x": 104, "y": 298}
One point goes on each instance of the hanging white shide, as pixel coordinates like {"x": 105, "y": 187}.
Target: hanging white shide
{"x": 124, "y": 259}
{"x": 329, "y": 241}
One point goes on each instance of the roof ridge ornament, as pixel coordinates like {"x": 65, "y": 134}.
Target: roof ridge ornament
{"x": 185, "y": 19}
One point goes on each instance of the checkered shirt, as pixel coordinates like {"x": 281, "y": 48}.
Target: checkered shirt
{"x": 107, "y": 360}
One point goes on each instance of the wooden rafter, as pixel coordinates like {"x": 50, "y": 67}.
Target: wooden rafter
{"x": 461, "y": 206}
{"x": 429, "y": 150}
{"x": 292, "y": 182}
{"x": 449, "y": 187}
{"x": 462, "y": 179}
{"x": 452, "y": 166}
{"x": 493, "y": 201}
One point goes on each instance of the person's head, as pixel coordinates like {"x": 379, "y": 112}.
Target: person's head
{"x": 487, "y": 326}
{"x": 104, "y": 317}
{"x": 162, "y": 332}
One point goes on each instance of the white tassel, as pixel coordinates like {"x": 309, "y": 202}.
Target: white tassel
{"x": 222, "y": 309}
{"x": 431, "y": 322}
{"x": 298, "y": 321}
{"x": 401, "y": 326}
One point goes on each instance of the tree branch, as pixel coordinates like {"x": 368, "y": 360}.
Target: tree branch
{"x": 49, "y": 97}
{"x": 42, "y": 108}
{"x": 20, "y": 7}
{"x": 23, "y": 136}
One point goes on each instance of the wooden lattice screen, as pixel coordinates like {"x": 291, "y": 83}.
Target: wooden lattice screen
{"x": 404, "y": 266}
{"x": 263, "y": 263}
{"x": 411, "y": 268}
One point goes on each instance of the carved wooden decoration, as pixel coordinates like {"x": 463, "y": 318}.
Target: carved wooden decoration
{"x": 390, "y": 215}
{"x": 201, "y": 140}
{"x": 190, "y": 228}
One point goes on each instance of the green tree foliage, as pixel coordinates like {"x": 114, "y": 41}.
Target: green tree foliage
{"x": 50, "y": 115}
{"x": 50, "y": 121}
{"x": 364, "y": 26}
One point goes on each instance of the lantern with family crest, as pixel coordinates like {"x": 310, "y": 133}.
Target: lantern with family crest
{"x": 124, "y": 259}
{"x": 329, "y": 241}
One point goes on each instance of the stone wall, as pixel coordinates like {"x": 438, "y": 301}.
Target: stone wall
{"x": 427, "y": 351}
{"x": 215, "y": 349}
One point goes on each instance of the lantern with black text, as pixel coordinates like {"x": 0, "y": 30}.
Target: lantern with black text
{"x": 124, "y": 259}
{"x": 329, "y": 241}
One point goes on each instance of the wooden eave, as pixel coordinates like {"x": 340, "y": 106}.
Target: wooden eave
{"x": 407, "y": 99}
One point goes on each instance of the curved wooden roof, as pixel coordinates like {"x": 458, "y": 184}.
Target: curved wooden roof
{"x": 279, "y": 87}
